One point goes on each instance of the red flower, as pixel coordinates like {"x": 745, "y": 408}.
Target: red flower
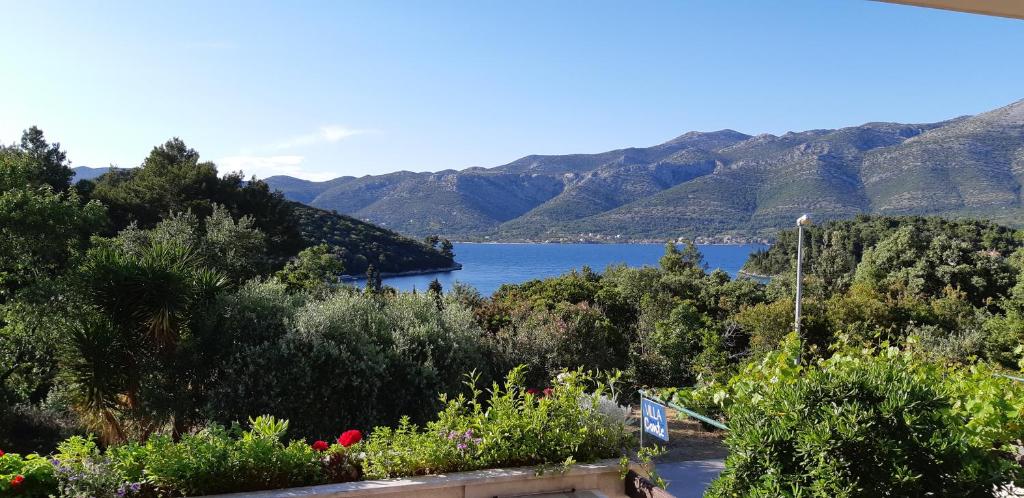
{"x": 320, "y": 446}
{"x": 17, "y": 480}
{"x": 348, "y": 438}
{"x": 533, "y": 390}
{"x": 548, "y": 391}
{"x": 2, "y": 453}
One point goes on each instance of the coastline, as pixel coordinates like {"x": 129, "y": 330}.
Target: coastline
{"x": 428, "y": 271}
{"x": 750, "y": 274}
{"x": 752, "y": 242}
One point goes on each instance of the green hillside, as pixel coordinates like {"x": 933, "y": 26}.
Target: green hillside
{"x": 173, "y": 179}
{"x": 360, "y": 244}
{"x": 844, "y": 243}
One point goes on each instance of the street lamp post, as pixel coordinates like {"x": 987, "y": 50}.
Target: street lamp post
{"x": 801, "y": 222}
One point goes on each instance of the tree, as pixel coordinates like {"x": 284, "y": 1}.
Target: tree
{"x": 374, "y": 285}
{"x": 41, "y": 231}
{"x": 49, "y": 158}
{"x": 315, "y": 268}
{"x": 235, "y": 248}
{"x": 447, "y": 249}
{"x": 918, "y": 263}
{"x": 833, "y": 269}
{"x": 170, "y": 179}
{"x": 140, "y": 354}
{"x": 436, "y": 291}
{"x": 676, "y": 261}
{"x": 173, "y": 179}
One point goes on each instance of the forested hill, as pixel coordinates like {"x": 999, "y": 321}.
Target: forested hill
{"x": 705, "y": 184}
{"x": 360, "y": 244}
{"x": 928, "y": 252}
{"x": 174, "y": 180}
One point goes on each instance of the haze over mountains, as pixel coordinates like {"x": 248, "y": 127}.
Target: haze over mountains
{"x": 722, "y": 183}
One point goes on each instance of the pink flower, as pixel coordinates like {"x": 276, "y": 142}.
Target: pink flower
{"x": 548, "y": 391}
{"x": 320, "y": 446}
{"x": 350, "y": 437}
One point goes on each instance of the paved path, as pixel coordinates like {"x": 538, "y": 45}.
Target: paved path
{"x": 689, "y": 479}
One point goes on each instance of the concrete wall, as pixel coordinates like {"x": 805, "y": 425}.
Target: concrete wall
{"x": 601, "y": 476}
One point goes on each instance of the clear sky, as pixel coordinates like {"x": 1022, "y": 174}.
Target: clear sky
{"x": 324, "y": 89}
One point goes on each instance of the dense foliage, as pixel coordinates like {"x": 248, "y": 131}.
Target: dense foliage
{"x": 173, "y": 179}
{"x": 868, "y": 423}
{"x": 109, "y": 288}
{"x": 576, "y": 420}
{"x": 834, "y": 249}
{"x": 361, "y": 359}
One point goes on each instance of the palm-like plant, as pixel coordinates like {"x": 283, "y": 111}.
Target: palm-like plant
{"x": 129, "y": 360}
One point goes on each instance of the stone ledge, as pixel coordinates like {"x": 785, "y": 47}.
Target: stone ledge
{"x": 601, "y": 476}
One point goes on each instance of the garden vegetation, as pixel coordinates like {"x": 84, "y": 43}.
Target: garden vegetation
{"x": 148, "y": 318}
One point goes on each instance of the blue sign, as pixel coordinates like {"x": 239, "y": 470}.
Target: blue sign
{"x": 653, "y": 419}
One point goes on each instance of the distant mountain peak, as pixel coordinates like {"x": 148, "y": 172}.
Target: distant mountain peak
{"x": 724, "y": 137}
{"x": 1012, "y": 114}
{"x": 708, "y": 183}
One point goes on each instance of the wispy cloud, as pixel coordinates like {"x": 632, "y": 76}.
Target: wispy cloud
{"x": 326, "y": 134}
{"x": 266, "y": 166}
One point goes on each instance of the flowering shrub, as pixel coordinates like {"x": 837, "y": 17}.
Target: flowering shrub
{"x": 350, "y": 437}
{"x": 215, "y": 460}
{"x": 29, "y": 475}
{"x": 571, "y": 421}
{"x": 82, "y": 471}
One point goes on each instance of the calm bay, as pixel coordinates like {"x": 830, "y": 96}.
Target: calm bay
{"x": 487, "y": 266}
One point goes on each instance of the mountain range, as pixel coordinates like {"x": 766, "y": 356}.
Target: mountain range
{"x": 88, "y": 173}
{"x": 721, "y": 184}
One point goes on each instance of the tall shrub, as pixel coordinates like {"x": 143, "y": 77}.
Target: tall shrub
{"x": 345, "y": 360}
{"x": 861, "y": 423}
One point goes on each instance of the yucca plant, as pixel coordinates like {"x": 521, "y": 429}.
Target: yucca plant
{"x": 135, "y": 359}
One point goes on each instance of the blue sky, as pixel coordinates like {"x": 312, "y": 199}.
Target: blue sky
{"x": 324, "y": 89}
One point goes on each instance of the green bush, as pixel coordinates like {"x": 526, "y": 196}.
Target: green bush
{"x": 548, "y": 341}
{"x": 359, "y": 359}
{"x": 863, "y": 423}
{"x": 216, "y": 461}
{"x": 511, "y": 427}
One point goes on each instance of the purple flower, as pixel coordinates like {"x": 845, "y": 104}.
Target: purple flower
{"x": 469, "y": 434}
{"x": 462, "y": 446}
